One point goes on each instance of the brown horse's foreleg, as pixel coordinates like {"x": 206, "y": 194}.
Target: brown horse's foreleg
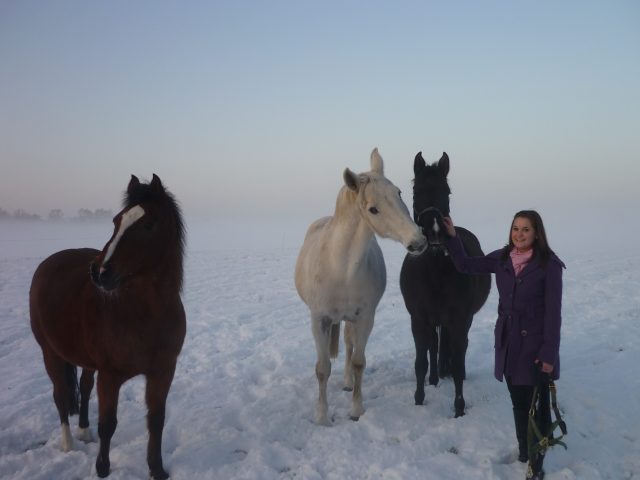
{"x": 86, "y": 385}
{"x": 108, "y": 391}
{"x": 158, "y": 385}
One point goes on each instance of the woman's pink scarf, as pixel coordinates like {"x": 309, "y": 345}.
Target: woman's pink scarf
{"x": 520, "y": 260}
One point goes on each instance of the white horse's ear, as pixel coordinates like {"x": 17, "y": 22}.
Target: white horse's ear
{"x": 351, "y": 180}
{"x": 377, "y": 164}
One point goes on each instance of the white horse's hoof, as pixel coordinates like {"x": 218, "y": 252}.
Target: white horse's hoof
{"x": 356, "y": 413}
{"x": 323, "y": 420}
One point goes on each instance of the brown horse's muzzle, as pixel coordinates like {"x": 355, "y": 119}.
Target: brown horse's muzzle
{"x": 103, "y": 277}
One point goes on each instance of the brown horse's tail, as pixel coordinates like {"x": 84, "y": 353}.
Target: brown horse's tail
{"x": 335, "y": 340}
{"x": 73, "y": 391}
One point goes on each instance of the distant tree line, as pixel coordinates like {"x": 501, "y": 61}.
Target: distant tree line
{"x": 57, "y": 215}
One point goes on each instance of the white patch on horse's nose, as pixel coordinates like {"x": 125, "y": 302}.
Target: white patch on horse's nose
{"x": 436, "y": 228}
{"x": 128, "y": 219}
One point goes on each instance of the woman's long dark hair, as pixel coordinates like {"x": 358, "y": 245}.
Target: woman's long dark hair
{"x": 540, "y": 246}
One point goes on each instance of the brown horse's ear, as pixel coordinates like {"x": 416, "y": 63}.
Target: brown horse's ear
{"x": 418, "y": 164}
{"x": 156, "y": 184}
{"x": 351, "y": 180}
{"x": 133, "y": 184}
{"x": 443, "y": 164}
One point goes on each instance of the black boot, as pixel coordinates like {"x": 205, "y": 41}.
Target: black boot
{"x": 521, "y": 418}
{"x": 534, "y": 470}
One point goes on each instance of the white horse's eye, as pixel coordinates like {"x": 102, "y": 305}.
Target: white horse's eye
{"x": 373, "y": 210}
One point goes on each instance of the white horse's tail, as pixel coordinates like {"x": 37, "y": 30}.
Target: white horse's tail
{"x": 335, "y": 340}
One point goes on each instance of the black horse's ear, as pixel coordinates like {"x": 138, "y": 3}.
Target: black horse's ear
{"x": 156, "y": 184}
{"x": 443, "y": 164}
{"x": 133, "y": 184}
{"x": 418, "y": 164}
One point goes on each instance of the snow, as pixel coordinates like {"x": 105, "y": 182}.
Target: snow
{"x": 242, "y": 402}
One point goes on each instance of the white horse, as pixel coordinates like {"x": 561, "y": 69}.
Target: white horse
{"x": 340, "y": 273}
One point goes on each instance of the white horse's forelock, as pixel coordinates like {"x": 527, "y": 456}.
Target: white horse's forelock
{"x": 128, "y": 218}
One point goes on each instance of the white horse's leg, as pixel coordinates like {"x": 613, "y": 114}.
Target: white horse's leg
{"x": 362, "y": 330}
{"x": 321, "y": 328}
{"x": 348, "y": 343}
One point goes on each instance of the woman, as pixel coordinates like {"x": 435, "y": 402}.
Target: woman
{"x": 527, "y": 332}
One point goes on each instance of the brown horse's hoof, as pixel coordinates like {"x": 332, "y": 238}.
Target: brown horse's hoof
{"x": 158, "y": 473}
{"x": 103, "y": 467}
{"x": 355, "y": 419}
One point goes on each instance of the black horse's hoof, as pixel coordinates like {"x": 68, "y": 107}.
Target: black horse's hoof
{"x": 347, "y": 389}
{"x": 355, "y": 419}
{"x": 459, "y": 405}
{"x": 419, "y": 398}
{"x": 103, "y": 467}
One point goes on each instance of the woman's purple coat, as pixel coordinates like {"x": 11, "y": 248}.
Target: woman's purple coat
{"x": 529, "y": 311}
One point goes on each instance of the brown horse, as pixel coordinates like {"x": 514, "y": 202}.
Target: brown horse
{"x": 118, "y": 312}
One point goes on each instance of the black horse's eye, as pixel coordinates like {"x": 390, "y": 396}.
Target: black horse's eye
{"x": 149, "y": 224}
{"x": 373, "y": 210}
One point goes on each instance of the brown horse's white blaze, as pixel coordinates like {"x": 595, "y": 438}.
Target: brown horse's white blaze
{"x": 127, "y": 219}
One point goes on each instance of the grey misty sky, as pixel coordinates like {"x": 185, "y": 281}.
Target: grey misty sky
{"x": 255, "y": 108}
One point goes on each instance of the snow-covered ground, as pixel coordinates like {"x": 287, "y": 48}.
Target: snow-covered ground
{"x": 242, "y": 401}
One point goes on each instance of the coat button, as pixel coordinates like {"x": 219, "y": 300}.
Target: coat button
{"x": 523, "y": 333}
{"x": 519, "y": 281}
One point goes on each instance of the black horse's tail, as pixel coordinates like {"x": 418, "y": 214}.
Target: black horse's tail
{"x": 73, "y": 391}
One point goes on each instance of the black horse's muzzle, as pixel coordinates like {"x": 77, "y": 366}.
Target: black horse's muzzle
{"x": 431, "y": 221}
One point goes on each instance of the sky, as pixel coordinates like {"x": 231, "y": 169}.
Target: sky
{"x": 252, "y": 110}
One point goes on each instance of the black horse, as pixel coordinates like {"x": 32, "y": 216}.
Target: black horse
{"x": 434, "y": 292}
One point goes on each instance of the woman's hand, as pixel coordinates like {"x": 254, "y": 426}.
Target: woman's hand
{"x": 448, "y": 225}
{"x": 546, "y": 367}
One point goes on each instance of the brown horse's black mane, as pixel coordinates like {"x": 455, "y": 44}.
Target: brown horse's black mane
{"x": 154, "y": 192}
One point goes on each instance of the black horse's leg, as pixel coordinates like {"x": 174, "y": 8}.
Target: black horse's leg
{"x": 108, "y": 391}
{"x": 420, "y": 331}
{"x": 433, "y": 357}
{"x": 86, "y": 385}
{"x": 158, "y": 385}
{"x": 444, "y": 360}
{"x": 458, "y": 352}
